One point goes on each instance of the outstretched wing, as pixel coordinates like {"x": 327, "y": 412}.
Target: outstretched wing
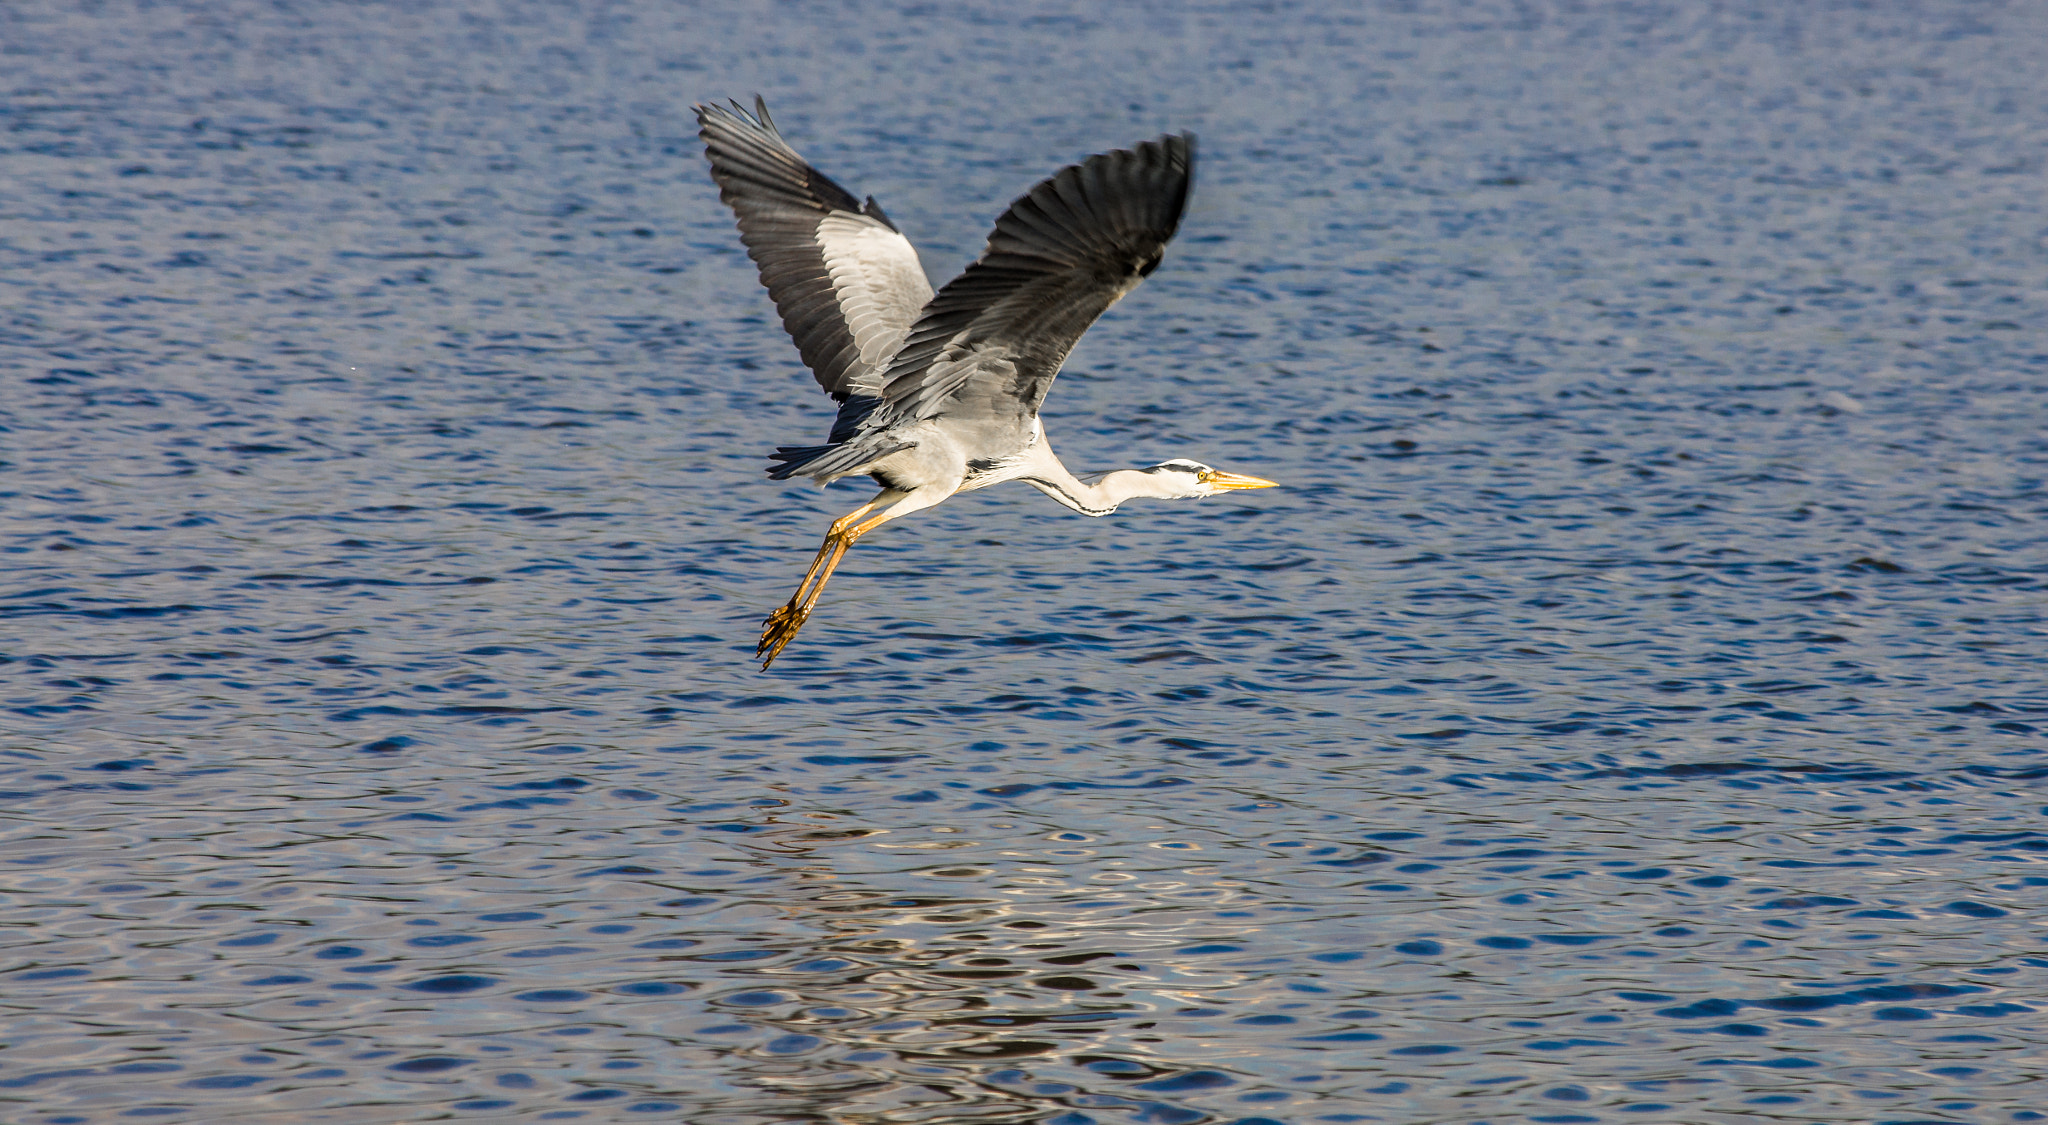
{"x": 993, "y": 339}
{"x": 846, "y": 281}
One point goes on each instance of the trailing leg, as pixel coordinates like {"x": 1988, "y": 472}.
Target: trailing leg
{"x": 782, "y": 625}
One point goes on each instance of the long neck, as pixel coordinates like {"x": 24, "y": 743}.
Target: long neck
{"x": 1045, "y": 473}
{"x": 1048, "y": 475}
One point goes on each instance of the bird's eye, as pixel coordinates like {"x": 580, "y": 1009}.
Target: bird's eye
{"x": 1203, "y": 475}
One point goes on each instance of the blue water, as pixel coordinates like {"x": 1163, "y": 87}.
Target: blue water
{"x": 1631, "y": 709}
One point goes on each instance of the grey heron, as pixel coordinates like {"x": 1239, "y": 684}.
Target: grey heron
{"x": 939, "y": 392}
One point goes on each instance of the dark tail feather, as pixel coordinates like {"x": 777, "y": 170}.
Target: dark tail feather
{"x": 794, "y": 458}
{"x": 827, "y": 463}
{"x": 847, "y": 449}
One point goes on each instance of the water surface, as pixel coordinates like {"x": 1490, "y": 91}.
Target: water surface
{"x": 1630, "y": 711}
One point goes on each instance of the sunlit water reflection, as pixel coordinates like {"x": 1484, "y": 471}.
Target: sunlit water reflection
{"x": 1630, "y": 710}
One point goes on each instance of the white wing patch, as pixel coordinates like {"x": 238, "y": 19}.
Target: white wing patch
{"x": 881, "y": 288}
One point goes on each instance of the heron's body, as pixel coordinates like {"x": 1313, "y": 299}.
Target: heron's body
{"x": 940, "y": 463}
{"x": 939, "y": 392}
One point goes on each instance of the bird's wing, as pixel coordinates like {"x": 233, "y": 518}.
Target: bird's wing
{"x": 846, "y": 281}
{"x": 992, "y": 340}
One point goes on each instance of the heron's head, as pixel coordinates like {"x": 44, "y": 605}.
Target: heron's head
{"x": 1184, "y": 479}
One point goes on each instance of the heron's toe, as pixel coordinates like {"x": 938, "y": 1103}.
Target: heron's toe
{"x": 780, "y": 628}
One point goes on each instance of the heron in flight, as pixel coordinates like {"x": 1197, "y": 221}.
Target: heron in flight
{"x": 939, "y": 392}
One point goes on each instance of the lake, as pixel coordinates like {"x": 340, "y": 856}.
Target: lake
{"x": 1631, "y": 707}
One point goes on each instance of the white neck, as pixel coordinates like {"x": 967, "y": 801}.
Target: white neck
{"x": 1045, "y": 473}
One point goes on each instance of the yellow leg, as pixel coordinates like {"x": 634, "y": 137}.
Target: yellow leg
{"x": 833, "y": 535}
{"x": 782, "y": 625}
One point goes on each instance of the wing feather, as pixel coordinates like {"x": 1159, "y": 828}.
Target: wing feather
{"x": 993, "y": 339}
{"x": 845, "y": 281}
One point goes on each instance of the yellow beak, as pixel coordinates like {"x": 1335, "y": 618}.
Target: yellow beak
{"x": 1220, "y": 479}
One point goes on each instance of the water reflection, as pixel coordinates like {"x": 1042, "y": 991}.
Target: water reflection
{"x": 786, "y": 955}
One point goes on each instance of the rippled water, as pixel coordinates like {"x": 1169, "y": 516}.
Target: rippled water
{"x": 1631, "y": 710}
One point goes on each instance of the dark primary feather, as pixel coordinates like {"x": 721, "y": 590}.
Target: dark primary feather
{"x": 845, "y": 281}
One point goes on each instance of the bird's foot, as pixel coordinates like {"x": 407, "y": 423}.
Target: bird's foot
{"x": 779, "y": 630}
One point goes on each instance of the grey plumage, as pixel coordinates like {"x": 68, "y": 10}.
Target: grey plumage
{"x": 939, "y": 393}
{"x": 988, "y": 345}
{"x": 1058, "y": 258}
